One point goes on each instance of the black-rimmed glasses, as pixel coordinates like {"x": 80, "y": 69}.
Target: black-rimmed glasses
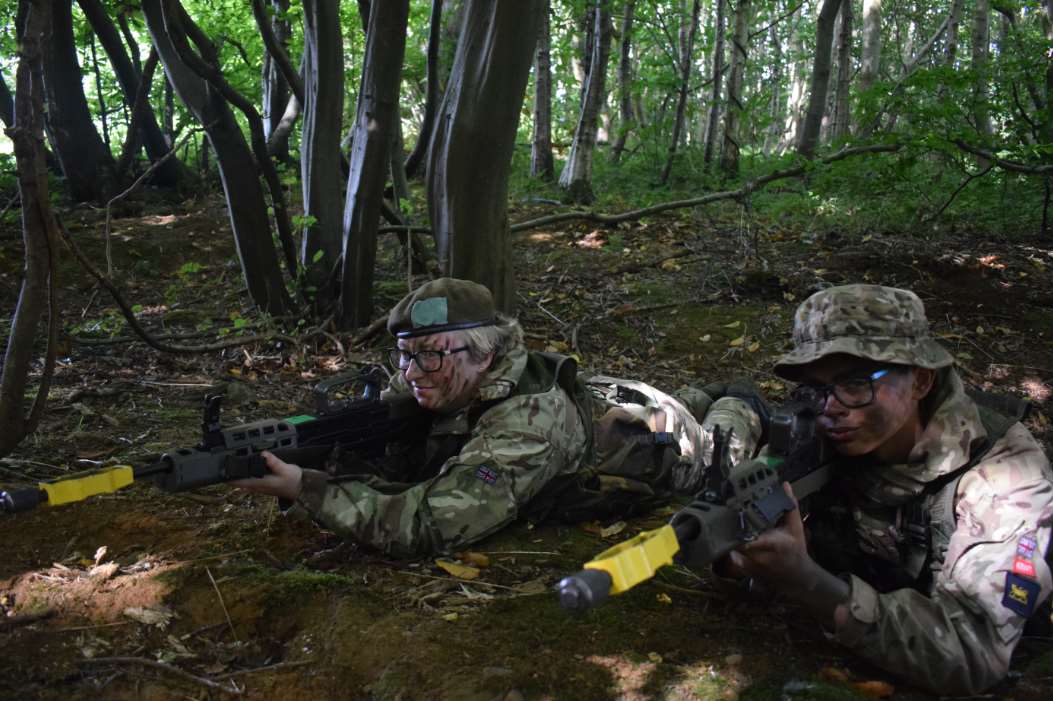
{"x": 426, "y": 360}
{"x": 852, "y": 393}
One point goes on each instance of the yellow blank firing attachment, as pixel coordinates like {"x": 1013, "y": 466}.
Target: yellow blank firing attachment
{"x": 76, "y": 488}
{"x": 637, "y": 559}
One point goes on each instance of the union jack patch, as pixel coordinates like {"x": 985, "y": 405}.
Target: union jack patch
{"x": 486, "y": 474}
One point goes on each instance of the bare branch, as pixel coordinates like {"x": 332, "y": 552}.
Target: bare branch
{"x": 1004, "y": 163}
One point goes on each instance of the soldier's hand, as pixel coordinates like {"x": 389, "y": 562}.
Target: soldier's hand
{"x": 779, "y": 556}
{"x": 283, "y": 482}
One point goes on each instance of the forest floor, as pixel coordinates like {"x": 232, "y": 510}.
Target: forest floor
{"x": 219, "y": 585}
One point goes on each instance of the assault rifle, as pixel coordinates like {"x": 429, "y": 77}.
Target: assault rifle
{"x": 735, "y": 505}
{"x": 361, "y": 425}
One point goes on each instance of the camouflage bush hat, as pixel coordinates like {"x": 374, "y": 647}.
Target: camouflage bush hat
{"x": 441, "y": 305}
{"x": 868, "y": 321}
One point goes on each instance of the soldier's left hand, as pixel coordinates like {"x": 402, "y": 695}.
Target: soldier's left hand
{"x": 779, "y": 556}
{"x": 283, "y": 482}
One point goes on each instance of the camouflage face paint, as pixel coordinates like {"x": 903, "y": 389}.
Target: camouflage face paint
{"x": 887, "y": 427}
{"x": 453, "y": 386}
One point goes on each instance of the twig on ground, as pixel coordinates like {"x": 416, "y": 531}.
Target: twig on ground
{"x": 267, "y": 668}
{"x": 24, "y": 619}
{"x": 222, "y": 604}
{"x": 370, "y": 331}
{"x": 459, "y": 581}
{"x": 187, "y": 676}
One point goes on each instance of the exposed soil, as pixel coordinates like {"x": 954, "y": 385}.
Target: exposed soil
{"x": 219, "y": 585}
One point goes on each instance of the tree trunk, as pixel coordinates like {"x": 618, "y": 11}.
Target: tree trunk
{"x": 729, "y": 155}
{"x": 129, "y": 75}
{"x": 981, "y": 41}
{"x": 320, "y": 152}
{"x": 686, "y": 50}
{"x": 813, "y": 118}
{"x": 431, "y": 101}
{"x": 842, "y": 117}
{"x": 796, "y": 102}
{"x": 625, "y": 80}
{"x": 541, "y": 164}
{"x": 237, "y": 168}
{"x": 100, "y": 94}
{"x": 39, "y": 235}
{"x": 378, "y": 100}
{"x": 712, "y": 124}
{"x": 1046, "y": 124}
{"x": 7, "y": 104}
{"x": 468, "y": 195}
{"x": 871, "y": 66}
{"x": 85, "y": 161}
{"x": 275, "y": 86}
{"x": 577, "y": 171}
{"x": 771, "y": 138}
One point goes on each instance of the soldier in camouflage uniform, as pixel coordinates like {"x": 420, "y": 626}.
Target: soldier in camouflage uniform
{"x": 938, "y": 526}
{"x": 511, "y": 435}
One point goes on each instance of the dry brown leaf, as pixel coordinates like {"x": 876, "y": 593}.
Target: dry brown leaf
{"x": 663, "y": 598}
{"x": 736, "y": 342}
{"x": 875, "y": 689}
{"x": 613, "y": 529}
{"x": 474, "y": 559}
{"x": 457, "y": 569}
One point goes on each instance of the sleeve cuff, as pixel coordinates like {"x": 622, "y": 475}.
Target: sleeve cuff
{"x": 313, "y": 486}
{"x": 862, "y": 608}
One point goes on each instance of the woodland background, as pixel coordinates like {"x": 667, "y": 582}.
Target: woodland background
{"x": 205, "y": 196}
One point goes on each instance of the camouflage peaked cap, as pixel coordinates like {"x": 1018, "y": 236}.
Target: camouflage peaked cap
{"x": 869, "y": 321}
{"x": 441, "y": 305}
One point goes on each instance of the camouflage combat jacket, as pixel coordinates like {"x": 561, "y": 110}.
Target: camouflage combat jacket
{"x": 516, "y": 445}
{"x": 948, "y": 621}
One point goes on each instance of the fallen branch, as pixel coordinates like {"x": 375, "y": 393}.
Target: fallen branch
{"x": 267, "y": 668}
{"x": 24, "y": 619}
{"x": 632, "y": 215}
{"x": 187, "y": 676}
{"x": 154, "y": 342}
{"x": 1003, "y": 163}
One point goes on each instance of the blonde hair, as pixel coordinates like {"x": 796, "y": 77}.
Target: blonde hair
{"x": 496, "y": 339}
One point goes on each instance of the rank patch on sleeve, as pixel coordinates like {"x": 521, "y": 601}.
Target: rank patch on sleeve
{"x": 1021, "y": 595}
{"x": 486, "y": 474}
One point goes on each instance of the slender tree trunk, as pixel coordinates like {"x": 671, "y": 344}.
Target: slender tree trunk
{"x": 687, "y": 49}
{"x": 771, "y": 138}
{"x": 871, "y": 65}
{"x": 378, "y": 98}
{"x": 625, "y": 86}
{"x": 85, "y": 160}
{"x": 467, "y": 195}
{"x": 431, "y": 100}
{"x": 729, "y": 155}
{"x": 275, "y": 86}
{"x": 809, "y": 135}
{"x": 1046, "y": 126}
{"x": 320, "y": 152}
{"x": 168, "y": 113}
{"x": 7, "y": 104}
{"x": 541, "y": 164}
{"x": 798, "y": 90}
{"x": 238, "y": 170}
{"x": 36, "y": 297}
{"x": 576, "y": 178}
{"x": 100, "y": 95}
{"x": 129, "y": 75}
{"x": 981, "y": 46}
{"x": 713, "y": 123}
{"x": 842, "y": 117}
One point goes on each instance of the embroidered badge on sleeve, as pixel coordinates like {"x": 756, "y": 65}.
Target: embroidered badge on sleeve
{"x": 486, "y": 474}
{"x": 1021, "y": 594}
